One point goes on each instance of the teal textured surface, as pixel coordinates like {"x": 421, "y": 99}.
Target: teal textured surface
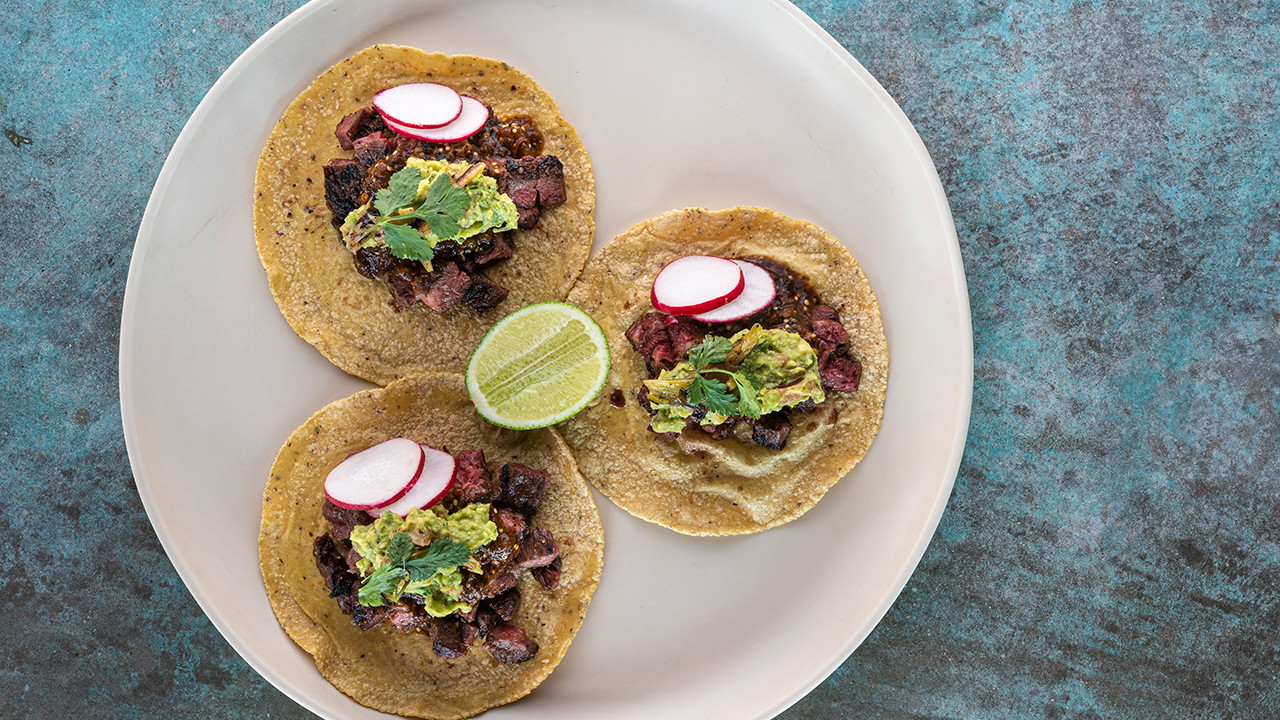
{"x": 1111, "y": 549}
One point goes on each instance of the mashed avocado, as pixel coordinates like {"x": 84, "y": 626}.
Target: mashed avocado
{"x": 489, "y": 209}
{"x": 785, "y": 368}
{"x": 440, "y": 591}
{"x": 781, "y": 367}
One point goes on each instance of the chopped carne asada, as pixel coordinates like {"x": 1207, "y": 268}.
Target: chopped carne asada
{"x": 507, "y": 149}
{"x": 665, "y": 341}
{"x": 489, "y": 594}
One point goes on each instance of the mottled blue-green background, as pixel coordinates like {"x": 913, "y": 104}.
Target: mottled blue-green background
{"x": 1112, "y": 548}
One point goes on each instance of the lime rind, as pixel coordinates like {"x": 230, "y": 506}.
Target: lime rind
{"x": 571, "y": 343}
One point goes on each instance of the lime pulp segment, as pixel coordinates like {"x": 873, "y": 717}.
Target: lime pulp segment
{"x": 538, "y": 366}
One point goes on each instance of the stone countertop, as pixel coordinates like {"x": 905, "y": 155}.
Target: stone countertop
{"x": 1112, "y": 545}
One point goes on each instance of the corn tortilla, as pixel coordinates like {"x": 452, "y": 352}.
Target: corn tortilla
{"x": 694, "y": 484}
{"x": 313, "y": 279}
{"x": 383, "y": 668}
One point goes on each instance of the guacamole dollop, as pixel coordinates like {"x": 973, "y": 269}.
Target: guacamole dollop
{"x": 489, "y": 209}
{"x": 781, "y": 367}
{"x": 441, "y": 590}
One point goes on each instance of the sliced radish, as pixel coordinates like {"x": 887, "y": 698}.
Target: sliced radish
{"x": 696, "y": 284}
{"x": 375, "y": 476}
{"x": 433, "y": 483}
{"x": 758, "y": 290}
{"x": 473, "y": 117}
{"x": 419, "y": 105}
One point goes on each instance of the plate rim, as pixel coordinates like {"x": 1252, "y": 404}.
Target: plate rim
{"x": 956, "y": 261}
{"x": 920, "y": 155}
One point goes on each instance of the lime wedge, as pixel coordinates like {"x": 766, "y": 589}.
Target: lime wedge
{"x": 539, "y": 365}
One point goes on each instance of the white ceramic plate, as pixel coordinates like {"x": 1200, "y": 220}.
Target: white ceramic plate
{"x": 680, "y": 104}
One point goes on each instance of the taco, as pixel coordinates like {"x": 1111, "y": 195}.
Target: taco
{"x": 481, "y": 631}
{"x": 379, "y": 305}
{"x": 675, "y": 439}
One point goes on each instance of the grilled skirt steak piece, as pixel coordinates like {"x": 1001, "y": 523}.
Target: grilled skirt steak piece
{"x": 533, "y": 183}
{"x": 328, "y": 562}
{"x": 771, "y": 431}
{"x": 448, "y": 287}
{"x": 506, "y": 579}
{"x": 484, "y": 294}
{"x": 403, "y": 617}
{"x": 510, "y": 522}
{"x": 365, "y": 617}
{"x": 827, "y": 327}
{"x": 548, "y": 577}
{"x": 450, "y": 638}
{"x": 373, "y": 262}
{"x": 721, "y": 431}
{"x": 493, "y": 247}
{"x": 523, "y": 487}
{"x": 343, "y": 520}
{"x": 663, "y": 340}
{"x": 509, "y": 644}
{"x": 342, "y": 179}
{"x": 372, "y": 148}
{"x": 472, "y": 481}
{"x": 364, "y": 121}
{"x": 506, "y": 604}
{"x": 440, "y": 289}
{"x": 538, "y": 549}
{"x": 353, "y": 560}
{"x": 839, "y": 371}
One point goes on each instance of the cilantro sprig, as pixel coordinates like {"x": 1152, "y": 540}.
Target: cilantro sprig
{"x": 403, "y": 562}
{"x": 713, "y": 393}
{"x": 443, "y": 553}
{"x": 442, "y": 210}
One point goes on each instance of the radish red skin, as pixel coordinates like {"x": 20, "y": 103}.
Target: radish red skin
{"x": 433, "y": 468}
{"x": 759, "y": 289}
{"x": 336, "y": 484}
{"x": 454, "y": 105}
{"x": 414, "y": 133}
{"x": 469, "y": 122}
{"x": 718, "y": 297}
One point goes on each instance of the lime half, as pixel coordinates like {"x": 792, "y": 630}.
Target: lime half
{"x": 539, "y": 365}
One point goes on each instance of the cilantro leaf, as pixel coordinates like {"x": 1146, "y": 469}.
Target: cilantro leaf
{"x": 715, "y": 395}
{"x": 748, "y": 405}
{"x": 443, "y": 553}
{"x": 444, "y": 227}
{"x": 399, "y": 547}
{"x": 383, "y": 581}
{"x": 712, "y": 349}
{"x": 401, "y": 191}
{"x": 447, "y": 198}
{"x": 442, "y": 209}
{"x": 405, "y": 242}
{"x": 712, "y": 394}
